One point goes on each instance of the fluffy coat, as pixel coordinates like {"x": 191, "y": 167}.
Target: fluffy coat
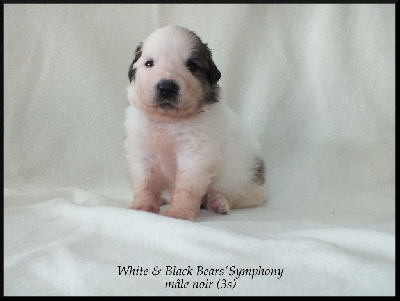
{"x": 181, "y": 137}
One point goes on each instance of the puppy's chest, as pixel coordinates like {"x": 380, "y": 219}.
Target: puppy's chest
{"x": 166, "y": 144}
{"x": 162, "y": 146}
{"x": 161, "y": 142}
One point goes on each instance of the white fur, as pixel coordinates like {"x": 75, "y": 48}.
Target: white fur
{"x": 201, "y": 154}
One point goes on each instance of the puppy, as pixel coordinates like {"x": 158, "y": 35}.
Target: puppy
{"x": 181, "y": 136}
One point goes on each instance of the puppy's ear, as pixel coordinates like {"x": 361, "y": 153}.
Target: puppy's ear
{"x": 138, "y": 54}
{"x": 213, "y": 73}
{"x": 204, "y": 51}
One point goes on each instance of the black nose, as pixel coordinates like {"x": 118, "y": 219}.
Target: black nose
{"x": 167, "y": 88}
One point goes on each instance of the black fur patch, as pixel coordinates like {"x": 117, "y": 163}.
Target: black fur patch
{"x": 201, "y": 72}
{"x": 258, "y": 171}
{"x": 202, "y": 53}
{"x": 211, "y": 96}
{"x": 132, "y": 71}
{"x": 206, "y": 72}
{"x": 213, "y": 73}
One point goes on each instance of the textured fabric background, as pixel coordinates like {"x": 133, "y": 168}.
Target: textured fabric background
{"x": 315, "y": 83}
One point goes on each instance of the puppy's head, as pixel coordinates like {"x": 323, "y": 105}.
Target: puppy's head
{"x": 173, "y": 75}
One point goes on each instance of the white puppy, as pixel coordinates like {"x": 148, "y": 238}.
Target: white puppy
{"x": 181, "y": 137}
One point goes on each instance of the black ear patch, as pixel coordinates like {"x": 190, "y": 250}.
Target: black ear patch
{"x": 213, "y": 73}
{"x": 138, "y": 54}
{"x": 202, "y": 52}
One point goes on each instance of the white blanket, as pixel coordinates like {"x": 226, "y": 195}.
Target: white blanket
{"x": 315, "y": 83}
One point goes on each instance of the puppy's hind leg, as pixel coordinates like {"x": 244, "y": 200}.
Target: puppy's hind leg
{"x": 253, "y": 199}
{"x": 216, "y": 201}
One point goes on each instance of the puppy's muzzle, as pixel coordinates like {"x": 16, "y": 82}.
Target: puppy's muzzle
{"x": 167, "y": 92}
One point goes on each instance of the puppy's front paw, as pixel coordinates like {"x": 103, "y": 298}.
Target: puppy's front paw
{"x": 217, "y": 202}
{"x": 186, "y": 214}
{"x": 149, "y": 207}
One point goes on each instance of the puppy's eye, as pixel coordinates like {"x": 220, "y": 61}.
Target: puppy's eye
{"x": 192, "y": 66}
{"x": 149, "y": 63}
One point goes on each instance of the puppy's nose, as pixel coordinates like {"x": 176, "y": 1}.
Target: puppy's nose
{"x": 167, "y": 88}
